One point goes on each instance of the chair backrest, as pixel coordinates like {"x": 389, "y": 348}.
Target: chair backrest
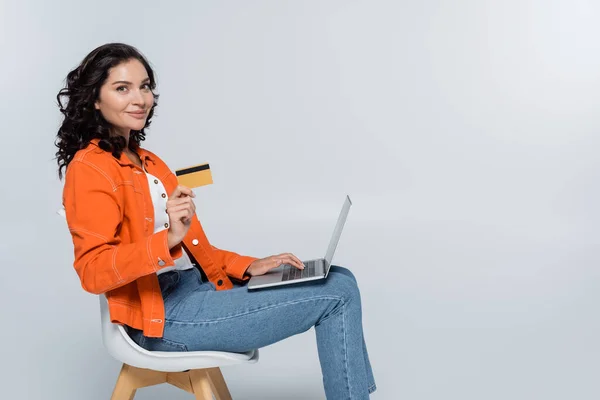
{"x": 118, "y": 343}
{"x": 114, "y": 337}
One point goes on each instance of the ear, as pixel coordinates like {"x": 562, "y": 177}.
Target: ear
{"x": 96, "y": 106}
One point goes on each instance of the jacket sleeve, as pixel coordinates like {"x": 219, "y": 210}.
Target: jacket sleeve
{"x": 94, "y": 217}
{"x": 233, "y": 264}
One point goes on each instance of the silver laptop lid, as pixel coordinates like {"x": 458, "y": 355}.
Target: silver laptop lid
{"x": 337, "y": 232}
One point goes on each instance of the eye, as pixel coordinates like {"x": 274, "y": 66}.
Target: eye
{"x": 146, "y": 86}
{"x": 121, "y": 88}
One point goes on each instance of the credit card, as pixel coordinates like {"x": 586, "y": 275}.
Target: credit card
{"x": 192, "y": 177}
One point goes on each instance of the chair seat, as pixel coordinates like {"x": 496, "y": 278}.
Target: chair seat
{"x": 121, "y": 347}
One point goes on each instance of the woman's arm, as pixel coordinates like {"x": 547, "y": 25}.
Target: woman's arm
{"x": 234, "y": 264}
{"x": 93, "y": 213}
{"x": 243, "y": 267}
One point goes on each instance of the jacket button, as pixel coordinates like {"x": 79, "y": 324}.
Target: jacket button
{"x": 156, "y": 181}
{"x": 163, "y": 195}
{"x": 166, "y": 225}
{"x": 219, "y": 282}
{"x": 195, "y": 242}
{"x": 161, "y": 263}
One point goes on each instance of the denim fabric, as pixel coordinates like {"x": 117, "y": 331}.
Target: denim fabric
{"x": 200, "y": 318}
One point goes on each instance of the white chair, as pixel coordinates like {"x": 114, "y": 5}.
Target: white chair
{"x": 196, "y": 372}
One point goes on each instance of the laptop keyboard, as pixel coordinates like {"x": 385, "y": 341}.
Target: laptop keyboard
{"x": 290, "y": 272}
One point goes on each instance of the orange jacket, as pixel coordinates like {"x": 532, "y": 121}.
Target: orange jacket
{"x": 110, "y": 216}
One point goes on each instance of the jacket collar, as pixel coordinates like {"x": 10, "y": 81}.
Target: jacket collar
{"x": 124, "y": 160}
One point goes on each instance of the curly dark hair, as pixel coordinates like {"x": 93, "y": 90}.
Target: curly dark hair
{"x": 82, "y": 122}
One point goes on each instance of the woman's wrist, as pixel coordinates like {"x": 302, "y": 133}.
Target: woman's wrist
{"x": 247, "y": 272}
{"x": 172, "y": 241}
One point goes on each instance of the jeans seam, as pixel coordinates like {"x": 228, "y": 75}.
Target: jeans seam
{"x": 255, "y": 311}
{"x": 346, "y": 351}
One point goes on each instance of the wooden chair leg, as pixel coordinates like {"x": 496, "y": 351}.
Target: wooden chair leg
{"x": 131, "y": 378}
{"x": 181, "y": 380}
{"x": 219, "y": 387}
{"x": 123, "y": 390}
{"x": 201, "y": 384}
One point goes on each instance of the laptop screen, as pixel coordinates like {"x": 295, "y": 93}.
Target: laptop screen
{"x": 337, "y": 232}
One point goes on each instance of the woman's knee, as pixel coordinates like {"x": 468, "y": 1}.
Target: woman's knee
{"x": 343, "y": 285}
{"x": 344, "y": 271}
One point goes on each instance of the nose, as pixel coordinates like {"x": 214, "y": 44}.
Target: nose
{"x": 138, "y": 98}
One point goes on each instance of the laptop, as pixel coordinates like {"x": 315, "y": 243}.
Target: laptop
{"x": 287, "y": 274}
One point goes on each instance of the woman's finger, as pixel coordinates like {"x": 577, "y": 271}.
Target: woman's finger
{"x": 298, "y": 261}
{"x": 181, "y": 190}
{"x": 180, "y": 200}
{"x": 289, "y": 259}
{"x": 181, "y": 211}
{"x": 184, "y": 206}
{"x": 182, "y": 214}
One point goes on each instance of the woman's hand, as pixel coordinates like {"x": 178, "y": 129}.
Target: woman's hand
{"x": 181, "y": 209}
{"x": 264, "y": 265}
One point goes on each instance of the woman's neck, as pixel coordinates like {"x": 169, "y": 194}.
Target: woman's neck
{"x": 123, "y": 134}
{"x": 133, "y": 157}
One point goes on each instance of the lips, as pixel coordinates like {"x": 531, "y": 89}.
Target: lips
{"x": 138, "y": 115}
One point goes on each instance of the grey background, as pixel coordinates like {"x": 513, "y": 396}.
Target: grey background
{"x": 465, "y": 132}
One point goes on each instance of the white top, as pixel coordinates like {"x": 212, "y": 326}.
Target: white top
{"x": 161, "y": 220}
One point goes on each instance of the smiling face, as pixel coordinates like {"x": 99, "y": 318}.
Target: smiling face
{"x": 126, "y": 98}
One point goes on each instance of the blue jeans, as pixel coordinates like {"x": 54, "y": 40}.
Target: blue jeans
{"x": 197, "y": 317}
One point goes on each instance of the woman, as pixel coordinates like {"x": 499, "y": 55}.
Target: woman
{"x": 141, "y": 248}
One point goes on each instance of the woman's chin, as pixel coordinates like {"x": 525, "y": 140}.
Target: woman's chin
{"x": 137, "y": 127}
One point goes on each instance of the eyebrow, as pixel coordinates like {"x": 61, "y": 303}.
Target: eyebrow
{"x": 129, "y": 83}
